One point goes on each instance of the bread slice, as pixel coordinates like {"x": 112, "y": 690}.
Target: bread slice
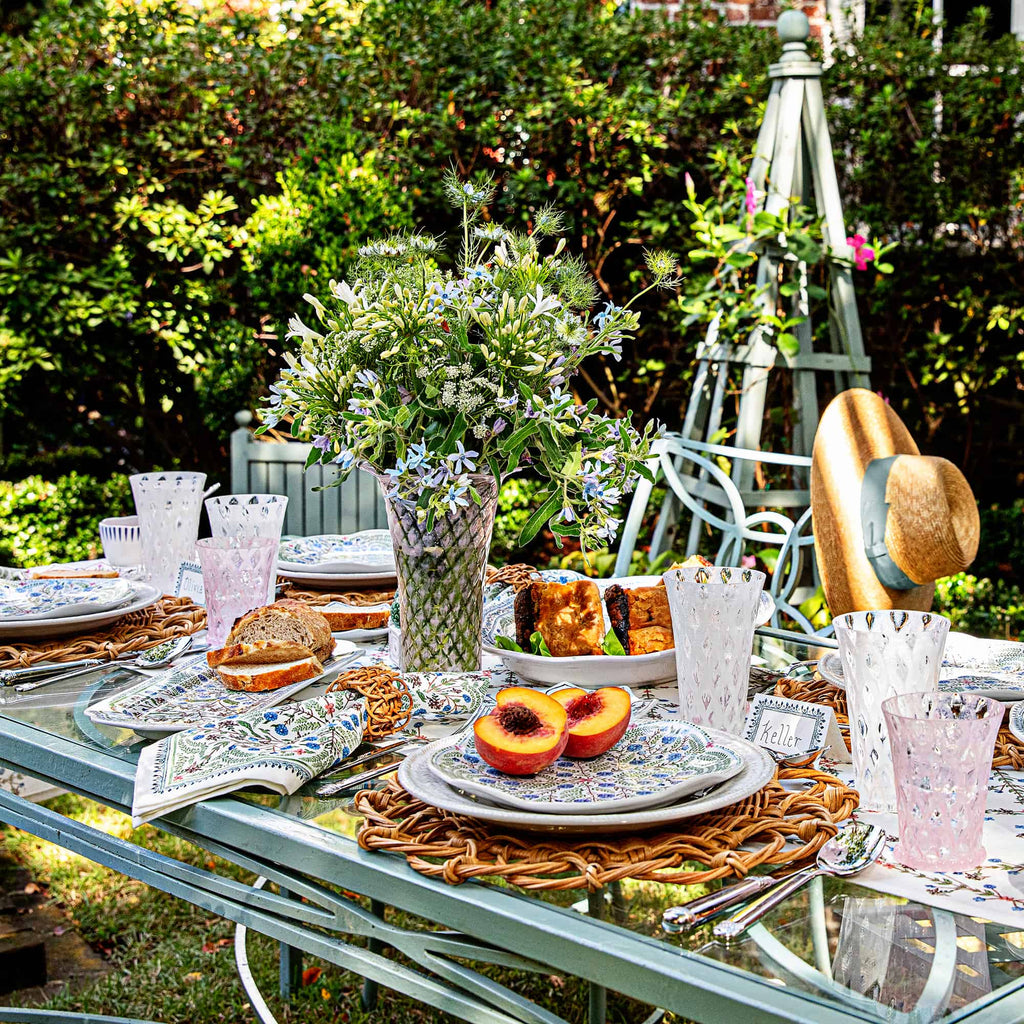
{"x": 259, "y": 652}
{"x": 259, "y": 678}
{"x": 287, "y": 621}
{"x": 567, "y": 615}
{"x": 343, "y": 616}
{"x": 640, "y": 617}
{"x": 72, "y": 572}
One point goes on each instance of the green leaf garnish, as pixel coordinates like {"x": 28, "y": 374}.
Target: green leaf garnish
{"x": 611, "y": 644}
{"x": 506, "y": 643}
{"x": 538, "y": 645}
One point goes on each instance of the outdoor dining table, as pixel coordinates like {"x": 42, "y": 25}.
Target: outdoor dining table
{"x": 835, "y": 951}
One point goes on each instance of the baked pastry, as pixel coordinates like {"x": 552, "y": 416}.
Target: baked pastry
{"x": 693, "y": 562}
{"x": 285, "y": 620}
{"x": 343, "y": 616}
{"x": 640, "y": 617}
{"x": 567, "y": 615}
{"x": 259, "y": 678}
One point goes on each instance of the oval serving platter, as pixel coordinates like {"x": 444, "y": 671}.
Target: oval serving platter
{"x": 653, "y": 764}
{"x": 587, "y": 670}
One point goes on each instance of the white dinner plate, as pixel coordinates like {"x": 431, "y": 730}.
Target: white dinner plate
{"x": 144, "y": 596}
{"x": 336, "y": 580}
{"x": 420, "y": 780}
{"x": 585, "y": 670}
{"x": 369, "y": 551}
{"x": 654, "y": 763}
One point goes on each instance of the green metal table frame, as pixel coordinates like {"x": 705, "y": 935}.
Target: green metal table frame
{"x": 481, "y": 923}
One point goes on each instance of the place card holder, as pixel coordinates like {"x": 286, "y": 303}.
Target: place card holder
{"x": 190, "y": 583}
{"x": 794, "y": 727}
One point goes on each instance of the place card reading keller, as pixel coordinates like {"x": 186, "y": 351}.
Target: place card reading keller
{"x": 794, "y": 727}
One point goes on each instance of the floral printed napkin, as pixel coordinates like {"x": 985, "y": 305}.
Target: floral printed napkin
{"x": 279, "y": 749}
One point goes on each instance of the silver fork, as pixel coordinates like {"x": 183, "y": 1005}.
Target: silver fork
{"x": 354, "y": 781}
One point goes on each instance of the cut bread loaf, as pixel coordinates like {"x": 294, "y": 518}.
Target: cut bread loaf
{"x": 341, "y": 616}
{"x": 286, "y": 621}
{"x": 258, "y": 652}
{"x": 259, "y": 678}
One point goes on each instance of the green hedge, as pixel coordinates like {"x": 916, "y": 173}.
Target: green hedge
{"x": 44, "y": 521}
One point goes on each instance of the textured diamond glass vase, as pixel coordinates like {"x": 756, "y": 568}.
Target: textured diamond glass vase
{"x": 168, "y": 505}
{"x": 885, "y": 654}
{"x": 441, "y": 580}
{"x": 713, "y": 612}
{"x": 942, "y": 756}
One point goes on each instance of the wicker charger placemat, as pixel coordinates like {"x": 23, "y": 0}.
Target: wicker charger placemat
{"x": 358, "y": 598}
{"x": 170, "y": 617}
{"x": 1009, "y": 752}
{"x": 773, "y": 827}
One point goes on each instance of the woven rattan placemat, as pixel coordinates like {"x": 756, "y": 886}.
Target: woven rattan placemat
{"x": 1009, "y": 752}
{"x": 774, "y": 827}
{"x": 168, "y": 618}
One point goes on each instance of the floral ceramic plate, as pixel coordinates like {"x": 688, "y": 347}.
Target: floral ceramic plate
{"x": 142, "y": 596}
{"x": 1016, "y": 720}
{"x": 366, "y": 552}
{"x": 586, "y": 670}
{"x": 50, "y": 599}
{"x": 420, "y": 779}
{"x": 970, "y": 664}
{"x": 654, "y": 763}
{"x": 190, "y": 694}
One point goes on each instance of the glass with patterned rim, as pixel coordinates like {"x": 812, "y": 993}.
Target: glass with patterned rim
{"x": 236, "y": 574}
{"x": 248, "y": 515}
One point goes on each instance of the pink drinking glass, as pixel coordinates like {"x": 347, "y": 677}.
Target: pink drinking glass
{"x": 942, "y": 756}
{"x": 236, "y": 575}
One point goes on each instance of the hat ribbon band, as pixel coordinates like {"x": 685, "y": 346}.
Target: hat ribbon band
{"x": 874, "y": 511}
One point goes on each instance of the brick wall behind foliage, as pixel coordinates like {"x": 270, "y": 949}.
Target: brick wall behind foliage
{"x": 745, "y": 12}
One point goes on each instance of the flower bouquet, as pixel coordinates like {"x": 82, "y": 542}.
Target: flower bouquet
{"x": 443, "y": 381}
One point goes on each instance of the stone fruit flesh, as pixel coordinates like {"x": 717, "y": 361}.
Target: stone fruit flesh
{"x": 597, "y": 719}
{"x": 526, "y": 732}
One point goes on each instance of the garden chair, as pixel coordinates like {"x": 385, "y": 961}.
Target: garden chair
{"x": 276, "y": 466}
{"x": 719, "y": 522}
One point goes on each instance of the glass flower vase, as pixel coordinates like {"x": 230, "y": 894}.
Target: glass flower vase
{"x": 441, "y": 579}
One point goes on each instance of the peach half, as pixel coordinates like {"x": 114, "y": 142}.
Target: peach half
{"x": 597, "y": 719}
{"x": 524, "y": 733}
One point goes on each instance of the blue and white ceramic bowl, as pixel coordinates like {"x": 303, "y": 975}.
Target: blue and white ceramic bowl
{"x": 122, "y": 544}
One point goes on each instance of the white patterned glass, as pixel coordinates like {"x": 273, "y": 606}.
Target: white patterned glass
{"x": 885, "y": 654}
{"x": 168, "y": 506}
{"x": 248, "y": 515}
{"x": 713, "y": 614}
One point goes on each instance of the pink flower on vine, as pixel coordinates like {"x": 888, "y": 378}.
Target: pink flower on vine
{"x": 863, "y": 254}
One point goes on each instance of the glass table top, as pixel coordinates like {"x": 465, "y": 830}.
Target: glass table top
{"x": 873, "y": 954}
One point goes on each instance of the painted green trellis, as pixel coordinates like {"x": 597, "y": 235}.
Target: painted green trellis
{"x": 716, "y": 482}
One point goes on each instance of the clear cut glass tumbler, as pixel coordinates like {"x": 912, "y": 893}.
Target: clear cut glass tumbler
{"x": 884, "y": 654}
{"x": 942, "y": 755}
{"x": 713, "y": 614}
{"x": 236, "y": 574}
{"x": 248, "y": 515}
{"x": 168, "y": 506}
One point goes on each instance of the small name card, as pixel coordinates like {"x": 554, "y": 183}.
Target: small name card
{"x": 794, "y": 727}
{"x": 190, "y": 583}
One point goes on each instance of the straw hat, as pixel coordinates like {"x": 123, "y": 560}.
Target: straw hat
{"x": 888, "y": 521}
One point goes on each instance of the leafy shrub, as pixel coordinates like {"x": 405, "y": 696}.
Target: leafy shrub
{"x": 43, "y": 521}
{"x": 984, "y": 607}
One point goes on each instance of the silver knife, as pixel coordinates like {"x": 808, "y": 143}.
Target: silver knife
{"x": 10, "y": 676}
{"x": 354, "y": 781}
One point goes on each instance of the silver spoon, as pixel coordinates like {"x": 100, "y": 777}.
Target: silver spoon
{"x": 852, "y": 850}
{"x": 801, "y": 760}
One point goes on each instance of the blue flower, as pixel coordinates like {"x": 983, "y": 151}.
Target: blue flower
{"x": 462, "y": 460}
{"x": 367, "y": 378}
{"x": 269, "y": 716}
{"x": 281, "y": 730}
{"x": 322, "y": 441}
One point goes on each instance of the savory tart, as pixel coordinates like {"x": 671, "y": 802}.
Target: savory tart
{"x": 567, "y": 615}
{"x": 640, "y": 617}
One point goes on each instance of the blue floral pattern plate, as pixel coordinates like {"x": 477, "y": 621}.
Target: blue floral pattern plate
{"x": 970, "y": 664}
{"x": 365, "y": 552}
{"x": 27, "y": 600}
{"x": 655, "y": 763}
{"x": 190, "y": 694}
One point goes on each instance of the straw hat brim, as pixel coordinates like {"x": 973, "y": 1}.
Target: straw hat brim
{"x": 857, "y": 427}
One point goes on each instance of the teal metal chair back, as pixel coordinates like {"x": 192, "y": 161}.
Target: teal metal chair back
{"x": 725, "y": 523}
{"x": 261, "y": 466}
